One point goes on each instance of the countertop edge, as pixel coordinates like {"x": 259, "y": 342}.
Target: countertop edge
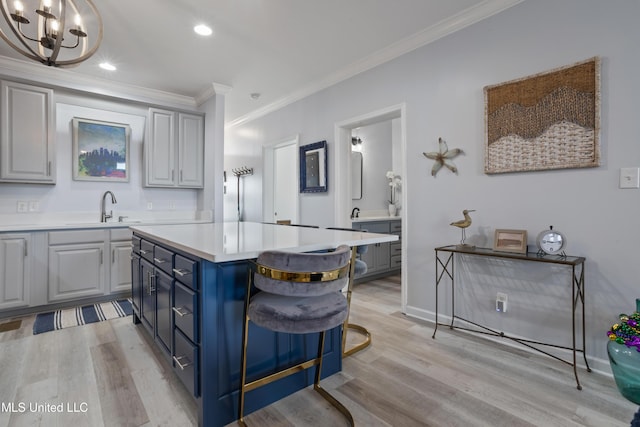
{"x": 27, "y": 228}
{"x": 363, "y": 238}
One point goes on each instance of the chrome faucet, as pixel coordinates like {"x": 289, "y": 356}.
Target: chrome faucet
{"x": 355, "y": 213}
{"x": 104, "y": 217}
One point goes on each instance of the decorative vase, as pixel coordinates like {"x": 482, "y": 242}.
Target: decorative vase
{"x": 392, "y": 209}
{"x": 625, "y": 365}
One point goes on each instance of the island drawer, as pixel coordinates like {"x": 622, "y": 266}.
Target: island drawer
{"x": 186, "y": 271}
{"x": 163, "y": 259}
{"x": 185, "y": 362}
{"x": 185, "y": 311}
{"x": 135, "y": 244}
{"x": 146, "y": 250}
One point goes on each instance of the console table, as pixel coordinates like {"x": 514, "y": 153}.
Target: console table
{"x": 445, "y": 265}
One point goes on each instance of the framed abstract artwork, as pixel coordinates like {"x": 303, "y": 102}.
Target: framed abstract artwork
{"x": 545, "y": 121}
{"x": 313, "y": 168}
{"x": 100, "y": 150}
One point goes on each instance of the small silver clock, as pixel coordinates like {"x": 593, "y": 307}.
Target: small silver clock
{"x": 551, "y": 242}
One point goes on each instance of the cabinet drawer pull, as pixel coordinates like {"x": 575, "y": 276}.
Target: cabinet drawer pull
{"x": 181, "y": 271}
{"x": 182, "y": 311}
{"x": 179, "y": 359}
{"x": 159, "y": 260}
{"x": 143, "y": 252}
{"x": 151, "y": 287}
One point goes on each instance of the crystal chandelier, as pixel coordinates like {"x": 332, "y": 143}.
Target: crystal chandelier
{"x": 45, "y": 39}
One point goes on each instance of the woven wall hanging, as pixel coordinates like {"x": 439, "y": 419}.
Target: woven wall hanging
{"x": 546, "y": 121}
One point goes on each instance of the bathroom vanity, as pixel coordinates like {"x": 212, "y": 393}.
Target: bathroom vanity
{"x": 189, "y": 283}
{"x": 383, "y": 259}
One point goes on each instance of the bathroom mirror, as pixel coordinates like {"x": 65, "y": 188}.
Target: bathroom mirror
{"x": 313, "y": 167}
{"x": 356, "y": 175}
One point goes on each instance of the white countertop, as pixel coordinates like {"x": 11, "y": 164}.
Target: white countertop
{"x": 376, "y": 218}
{"x": 232, "y": 241}
{"x": 58, "y": 226}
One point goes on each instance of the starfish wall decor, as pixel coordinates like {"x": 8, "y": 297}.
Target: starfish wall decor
{"x": 443, "y": 158}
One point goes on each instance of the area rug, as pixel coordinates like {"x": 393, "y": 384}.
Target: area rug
{"x": 69, "y": 317}
{"x": 10, "y": 326}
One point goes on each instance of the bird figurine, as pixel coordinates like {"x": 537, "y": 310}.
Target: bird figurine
{"x": 463, "y": 224}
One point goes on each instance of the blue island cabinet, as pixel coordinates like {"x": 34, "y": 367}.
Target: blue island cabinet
{"x": 204, "y": 312}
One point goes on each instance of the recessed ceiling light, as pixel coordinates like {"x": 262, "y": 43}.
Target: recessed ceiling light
{"x": 203, "y": 30}
{"x": 255, "y": 95}
{"x": 107, "y": 66}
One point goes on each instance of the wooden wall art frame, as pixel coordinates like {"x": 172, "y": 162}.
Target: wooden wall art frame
{"x": 510, "y": 241}
{"x": 546, "y": 121}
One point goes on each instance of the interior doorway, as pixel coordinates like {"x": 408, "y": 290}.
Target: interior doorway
{"x": 280, "y": 188}
{"x": 343, "y": 135}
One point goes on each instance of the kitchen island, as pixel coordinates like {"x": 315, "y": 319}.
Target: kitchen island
{"x": 189, "y": 283}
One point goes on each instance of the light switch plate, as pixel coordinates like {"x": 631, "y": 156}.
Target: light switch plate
{"x": 22, "y": 206}
{"x": 629, "y": 177}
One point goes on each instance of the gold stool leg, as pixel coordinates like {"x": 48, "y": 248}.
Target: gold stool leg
{"x": 360, "y": 346}
{"x": 243, "y": 358}
{"x": 361, "y": 329}
{"x": 325, "y": 394}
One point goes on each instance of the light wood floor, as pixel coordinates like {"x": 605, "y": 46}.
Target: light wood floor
{"x": 107, "y": 374}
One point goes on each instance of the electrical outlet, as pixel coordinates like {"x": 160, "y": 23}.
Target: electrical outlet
{"x": 149, "y": 206}
{"x": 22, "y": 206}
{"x": 501, "y": 302}
{"x": 629, "y": 177}
{"x": 34, "y": 206}
{"x": 172, "y": 205}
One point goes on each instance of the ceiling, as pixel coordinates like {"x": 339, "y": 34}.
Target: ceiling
{"x": 281, "y": 49}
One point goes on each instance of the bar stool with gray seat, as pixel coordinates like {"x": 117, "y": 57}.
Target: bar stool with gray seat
{"x": 299, "y": 293}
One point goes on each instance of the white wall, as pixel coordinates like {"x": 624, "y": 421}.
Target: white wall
{"x": 81, "y": 199}
{"x": 442, "y": 87}
{"x": 377, "y": 159}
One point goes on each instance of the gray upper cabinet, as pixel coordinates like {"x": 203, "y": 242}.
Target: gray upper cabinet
{"x": 190, "y": 150}
{"x": 26, "y": 135}
{"x": 174, "y": 150}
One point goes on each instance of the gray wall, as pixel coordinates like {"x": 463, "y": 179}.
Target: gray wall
{"x": 441, "y": 85}
{"x": 377, "y": 159}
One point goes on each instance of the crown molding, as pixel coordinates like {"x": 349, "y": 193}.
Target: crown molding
{"x": 437, "y": 31}
{"x": 212, "y": 90}
{"x": 67, "y": 79}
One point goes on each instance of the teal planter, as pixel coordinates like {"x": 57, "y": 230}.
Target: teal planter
{"x": 624, "y": 354}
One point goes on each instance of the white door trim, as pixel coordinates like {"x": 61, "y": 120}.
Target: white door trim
{"x": 342, "y": 173}
{"x": 269, "y": 177}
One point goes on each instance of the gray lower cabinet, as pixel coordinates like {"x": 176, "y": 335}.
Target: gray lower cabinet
{"x": 76, "y": 264}
{"x": 15, "y": 268}
{"x": 166, "y": 301}
{"x": 382, "y": 259}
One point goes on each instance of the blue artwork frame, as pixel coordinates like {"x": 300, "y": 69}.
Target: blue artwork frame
{"x": 313, "y": 168}
{"x": 101, "y": 150}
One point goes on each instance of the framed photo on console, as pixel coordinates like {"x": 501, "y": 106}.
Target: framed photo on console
{"x": 510, "y": 241}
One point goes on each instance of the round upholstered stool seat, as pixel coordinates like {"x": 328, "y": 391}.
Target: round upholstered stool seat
{"x": 298, "y": 315}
